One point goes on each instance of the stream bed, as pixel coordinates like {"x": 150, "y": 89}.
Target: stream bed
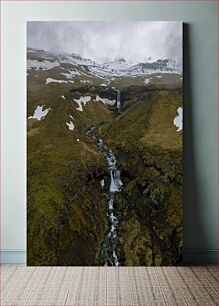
{"x": 109, "y": 256}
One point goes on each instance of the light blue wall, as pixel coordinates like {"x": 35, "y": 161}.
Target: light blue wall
{"x": 200, "y": 112}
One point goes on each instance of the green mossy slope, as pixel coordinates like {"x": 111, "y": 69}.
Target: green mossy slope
{"x": 66, "y": 210}
{"x": 66, "y": 205}
{"x": 149, "y": 150}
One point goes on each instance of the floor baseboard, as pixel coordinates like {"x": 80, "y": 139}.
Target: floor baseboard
{"x": 12, "y": 256}
{"x": 194, "y": 257}
{"x": 198, "y": 257}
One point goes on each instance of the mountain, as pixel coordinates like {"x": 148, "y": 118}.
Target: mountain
{"x": 111, "y": 69}
{"x": 136, "y": 109}
{"x": 161, "y": 66}
{"x": 118, "y": 65}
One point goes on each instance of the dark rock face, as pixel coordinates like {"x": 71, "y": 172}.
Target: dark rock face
{"x": 162, "y": 65}
{"x": 151, "y": 209}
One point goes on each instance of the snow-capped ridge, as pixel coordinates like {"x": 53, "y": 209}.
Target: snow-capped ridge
{"x": 160, "y": 65}
{"x": 118, "y": 64}
{"x": 84, "y": 66}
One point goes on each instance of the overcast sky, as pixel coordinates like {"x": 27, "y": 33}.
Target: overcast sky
{"x": 106, "y": 41}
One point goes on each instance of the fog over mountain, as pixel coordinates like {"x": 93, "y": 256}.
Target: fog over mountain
{"x": 108, "y": 41}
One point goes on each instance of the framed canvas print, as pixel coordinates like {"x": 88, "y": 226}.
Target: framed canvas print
{"x": 104, "y": 143}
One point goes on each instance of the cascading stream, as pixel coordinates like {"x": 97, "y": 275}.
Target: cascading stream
{"x": 109, "y": 256}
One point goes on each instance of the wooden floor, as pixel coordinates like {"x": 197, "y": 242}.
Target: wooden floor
{"x": 23, "y": 285}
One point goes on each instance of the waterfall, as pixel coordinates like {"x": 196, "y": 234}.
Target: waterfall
{"x": 118, "y": 100}
{"x": 113, "y": 187}
{"x": 116, "y": 182}
{"x": 108, "y": 253}
{"x": 118, "y": 103}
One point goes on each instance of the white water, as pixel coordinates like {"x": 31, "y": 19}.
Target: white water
{"x": 109, "y": 256}
{"x": 118, "y": 101}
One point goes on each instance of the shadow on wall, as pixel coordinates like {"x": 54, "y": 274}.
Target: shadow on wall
{"x": 193, "y": 228}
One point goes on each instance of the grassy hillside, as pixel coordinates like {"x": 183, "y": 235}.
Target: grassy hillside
{"x": 150, "y": 154}
{"x": 66, "y": 209}
{"x": 66, "y": 204}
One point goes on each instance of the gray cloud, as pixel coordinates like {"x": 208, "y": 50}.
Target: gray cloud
{"x": 106, "y": 41}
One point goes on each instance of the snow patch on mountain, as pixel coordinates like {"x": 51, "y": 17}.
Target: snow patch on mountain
{"x": 71, "y": 74}
{"x": 105, "y": 100}
{"x": 44, "y": 65}
{"x": 82, "y": 101}
{"x": 85, "y": 81}
{"x": 146, "y": 81}
{"x": 39, "y": 113}
{"x": 178, "y": 120}
{"x": 75, "y": 59}
{"x": 99, "y": 72}
{"x": 120, "y": 64}
{"x": 70, "y": 125}
{"x": 102, "y": 183}
{"x": 50, "y": 80}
